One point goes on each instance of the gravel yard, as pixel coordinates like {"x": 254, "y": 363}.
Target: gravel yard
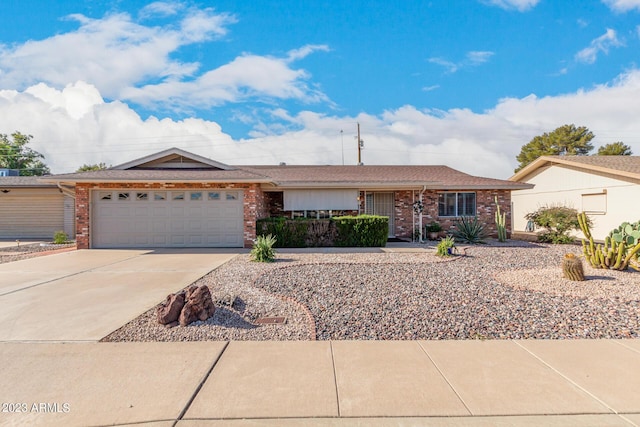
{"x": 493, "y": 292}
{"x": 17, "y": 252}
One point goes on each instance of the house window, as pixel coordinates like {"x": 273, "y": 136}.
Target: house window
{"x": 232, "y": 195}
{"x": 123, "y": 196}
{"x": 196, "y": 196}
{"x": 159, "y": 196}
{"x": 177, "y": 196}
{"x": 457, "y": 204}
{"x": 214, "y": 195}
{"x": 142, "y": 196}
{"x": 595, "y": 204}
{"x": 105, "y": 196}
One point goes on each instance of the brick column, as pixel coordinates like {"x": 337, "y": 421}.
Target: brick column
{"x": 82, "y": 216}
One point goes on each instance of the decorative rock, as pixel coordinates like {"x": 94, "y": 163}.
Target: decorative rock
{"x": 198, "y": 305}
{"x": 169, "y": 311}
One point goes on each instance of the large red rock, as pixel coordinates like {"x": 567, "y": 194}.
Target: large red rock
{"x": 169, "y": 311}
{"x": 198, "y": 305}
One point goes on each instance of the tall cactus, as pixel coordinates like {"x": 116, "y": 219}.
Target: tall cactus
{"x": 500, "y": 223}
{"x": 616, "y": 253}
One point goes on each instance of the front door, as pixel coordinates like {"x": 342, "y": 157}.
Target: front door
{"x": 382, "y": 204}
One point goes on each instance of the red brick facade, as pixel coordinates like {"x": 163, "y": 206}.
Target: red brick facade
{"x": 254, "y": 206}
{"x": 258, "y": 204}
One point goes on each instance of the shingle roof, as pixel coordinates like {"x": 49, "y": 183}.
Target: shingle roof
{"x": 432, "y": 176}
{"x": 298, "y": 176}
{"x": 170, "y": 175}
{"x": 23, "y": 181}
{"x": 623, "y": 166}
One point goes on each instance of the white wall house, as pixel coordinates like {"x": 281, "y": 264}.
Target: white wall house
{"x": 607, "y": 188}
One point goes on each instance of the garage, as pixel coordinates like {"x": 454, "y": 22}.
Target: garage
{"x": 32, "y": 210}
{"x": 167, "y": 218}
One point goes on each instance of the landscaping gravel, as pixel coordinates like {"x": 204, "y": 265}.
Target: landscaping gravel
{"x": 493, "y": 292}
{"x": 17, "y": 252}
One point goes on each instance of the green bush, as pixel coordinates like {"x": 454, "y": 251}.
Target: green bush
{"x": 362, "y": 231}
{"x": 557, "y": 220}
{"x": 262, "y": 250}
{"x": 60, "y": 238}
{"x": 470, "y": 230}
{"x": 446, "y": 247}
{"x": 289, "y": 233}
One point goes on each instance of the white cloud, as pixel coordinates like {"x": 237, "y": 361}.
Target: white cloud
{"x": 430, "y": 88}
{"x": 118, "y": 56}
{"x": 304, "y": 51}
{"x": 479, "y": 57}
{"x": 248, "y": 76}
{"x": 451, "y": 67}
{"x": 160, "y": 8}
{"x": 75, "y": 126}
{"x": 622, "y": 5}
{"x": 601, "y": 44}
{"x": 472, "y": 59}
{"x": 520, "y": 5}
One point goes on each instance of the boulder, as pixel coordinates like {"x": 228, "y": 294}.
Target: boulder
{"x": 169, "y": 311}
{"x": 198, "y": 305}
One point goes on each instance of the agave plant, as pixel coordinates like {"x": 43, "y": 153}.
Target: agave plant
{"x": 470, "y": 230}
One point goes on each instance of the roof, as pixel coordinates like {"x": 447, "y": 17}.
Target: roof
{"x": 431, "y": 176}
{"x": 23, "y": 181}
{"x": 175, "y": 165}
{"x": 621, "y": 166}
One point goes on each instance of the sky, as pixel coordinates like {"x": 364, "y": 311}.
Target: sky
{"x": 462, "y": 83}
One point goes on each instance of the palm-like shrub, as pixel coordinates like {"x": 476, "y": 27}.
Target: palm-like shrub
{"x": 470, "y": 230}
{"x": 262, "y": 250}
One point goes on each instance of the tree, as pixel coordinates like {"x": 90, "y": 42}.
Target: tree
{"x": 14, "y": 154}
{"x": 615, "y": 149}
{"x": 94, "y": 167}
{"x": 565, "y": 140}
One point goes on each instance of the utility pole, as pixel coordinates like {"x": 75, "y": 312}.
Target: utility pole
{"x": 360, "y": 145}
{"x": 342, "y": 145}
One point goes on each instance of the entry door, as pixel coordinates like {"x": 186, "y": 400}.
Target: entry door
{"x": 382, "y": 204}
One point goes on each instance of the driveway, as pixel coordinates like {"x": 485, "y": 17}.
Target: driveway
{"x": 85, "y": 295}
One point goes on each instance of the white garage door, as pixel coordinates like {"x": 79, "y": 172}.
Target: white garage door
{"x": 149, "y": 218}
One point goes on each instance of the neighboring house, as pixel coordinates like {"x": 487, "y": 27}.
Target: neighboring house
{"x": 178, "y": 199}
{"x": 607, "y": 188}
{"x": 30, "y": 209}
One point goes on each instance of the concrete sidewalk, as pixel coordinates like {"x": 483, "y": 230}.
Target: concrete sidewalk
{"x": 323, "y": 383}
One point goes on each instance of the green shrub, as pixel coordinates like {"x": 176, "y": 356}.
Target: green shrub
{"x": 289, "y": 233}
{"x": 446, "y": 247}
{"x": 299, "y": 232}
{"x": 60, "y": 238}
{"x": 262, "y": 250}
{"x": 362, "y": 231}
{"x": 557, "y": 220}
{"x": 470, "y": 230}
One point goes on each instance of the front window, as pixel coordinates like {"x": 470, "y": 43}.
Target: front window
{"x": 457, "y": 204}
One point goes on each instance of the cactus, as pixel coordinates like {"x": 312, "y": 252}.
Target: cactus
{"x": 572, "y": 267}
{"x": 621, "y": 248}
{"x": 500, "y": 223}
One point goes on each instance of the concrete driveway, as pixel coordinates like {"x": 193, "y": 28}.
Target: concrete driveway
{"x": 84, "y": 295}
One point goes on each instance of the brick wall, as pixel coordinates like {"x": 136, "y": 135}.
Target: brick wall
{"x": 254, "y": 205}
{"x": 485, "y": 209}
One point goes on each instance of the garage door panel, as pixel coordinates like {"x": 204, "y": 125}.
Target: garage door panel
{"x": 168, "y": 219}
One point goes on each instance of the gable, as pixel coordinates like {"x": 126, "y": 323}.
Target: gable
{"x": 173, "y": 159}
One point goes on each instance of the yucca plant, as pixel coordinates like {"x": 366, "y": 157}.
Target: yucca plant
{"x": 470, "y": 230}
{"x": 262, "y": 250}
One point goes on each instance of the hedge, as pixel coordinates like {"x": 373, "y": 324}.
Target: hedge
{"x": 363, "y": 230}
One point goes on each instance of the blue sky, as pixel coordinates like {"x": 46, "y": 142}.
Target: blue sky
{"x": 460, "y": 82}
